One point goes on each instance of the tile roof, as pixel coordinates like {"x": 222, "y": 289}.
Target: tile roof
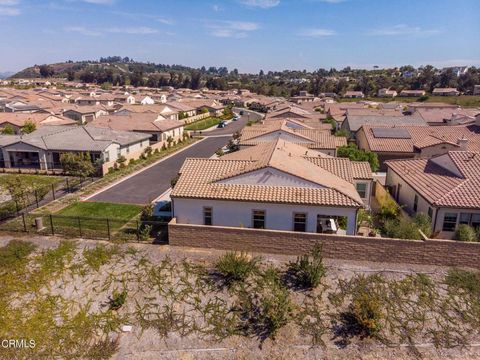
{"x": 149, "y": 122}
{"x": 74, "y": 138}
{"x": 215, "y": 179}
{"x": 423, "y": 136}
{"x": 310, "y": 138}
{"x": 449, "y": 180}
{"x": 355, "y": 122}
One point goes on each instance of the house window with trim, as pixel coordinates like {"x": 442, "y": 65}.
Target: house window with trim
{"x": 207, "y": 216}
{"x": 449, "y": 222}
{"x": 470, "y": 219}
{"x": 415, "y": 203}
{"x": 258, "y": 219}
{"x": 362, "y": 190}
{"x": 300, "y": 222}
{"x": 430, "y": 212}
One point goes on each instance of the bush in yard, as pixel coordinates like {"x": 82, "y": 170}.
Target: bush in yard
{"x": 117, "y": 300}
{"x": 236, "y": 267}
{"x": 466, "y": 233}
{"x": 352, "y": 152}
{"x": 121, "y": 161}
{"x": 308, "y": 270}
{"x": 366, "y": 309}
{"x": 144, "y": 232}
{"x": 408, "y": 228}
{"x": 77, "y": 164}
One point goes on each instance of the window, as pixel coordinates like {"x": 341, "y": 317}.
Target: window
{"x": 415, "y": 203}
{"x": 258, "y": 219}
{"x": 449, "y": 222}
{"x": 106, "y": 156}
{"x": 430, "y": 212}
{"x": 362, "y": 190}
{"x": 207, "y": 216}
{"x": 300, "y": 222}
{"x": 470, "y": 219}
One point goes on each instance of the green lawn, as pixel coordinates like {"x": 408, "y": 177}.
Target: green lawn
{"x": 36, "y": 181}
{"x": 203, "y": 124}
{"x": 462, "y": 100}
{"x": 101, "y": 210}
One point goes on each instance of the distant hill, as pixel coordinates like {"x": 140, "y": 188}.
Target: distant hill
{"x": 112, "y": 66}
{"x": 6, "y": 74}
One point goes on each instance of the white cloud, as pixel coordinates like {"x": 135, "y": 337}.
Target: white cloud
{"x": 317, "y": 32}
{"x": 264, "y": 4}
{"x": 8, "y": 8}
{"x": 141, "y": 30}
{"x": 100, "y": 2}
{"x": 332, "y": 1}
{"x": 216, "y": 8}
{"x": 82, "y": 30}
{"x": 231, "y": 29}
{"x": 403, "y": 29}
{"x": 132, "y": 30}
{"x": 9, "y": 2}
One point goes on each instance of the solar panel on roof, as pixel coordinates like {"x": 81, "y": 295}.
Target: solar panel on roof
{"x": 391, "y": 133}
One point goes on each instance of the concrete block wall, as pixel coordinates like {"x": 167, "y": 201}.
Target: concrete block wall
{"x": 426, "y": 252}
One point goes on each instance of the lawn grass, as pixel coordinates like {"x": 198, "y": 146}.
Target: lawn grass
{"x": 203, "y": 124}
{"x": 462, "y": 100}
{"x": 101, "y": 210}
{"x": 34, "y": 181}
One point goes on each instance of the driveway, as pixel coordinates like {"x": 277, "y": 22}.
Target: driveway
{"x": 147, "y": 185}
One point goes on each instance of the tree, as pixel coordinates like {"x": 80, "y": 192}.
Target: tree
{"x": 29, "y": 127}
{"x": 352, "y": 152}
{"x": 77, "y": 164}
{"x": 8, "y": 130}
{"x": 46, "y": 71}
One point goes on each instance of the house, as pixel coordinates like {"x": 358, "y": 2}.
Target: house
{"x": 165, "y": 111}
{"x": 435, "y": 116}
{"x": 17, "y": 120}
{"x": 84, "y": 114}
{"x": 271, "y": 186}
{"x": 404, "y": 142}
{"x": 446, "y": 187}
{"x": 303, "y": 96}
{"x": 386, "y": 93}
{"x": 320, "y": 140}
{"x": 476, "y": 90}
{"x": 157, "y": 126}
{"x": 356, "y": 118}
{"x": 42, "y": 148}
{"x": 445, "y": 92}
{"x": 354, "y": 95}
{"x": 412, "y": 93}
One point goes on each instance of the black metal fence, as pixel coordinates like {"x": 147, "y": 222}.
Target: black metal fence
{"x": 36, "y": 196}
{"x": 136, "y": 230}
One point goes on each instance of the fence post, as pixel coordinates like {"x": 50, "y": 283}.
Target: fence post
{"x": 24, "y": 223}
{"x": 36, "y": 197}
{"x": 16, "y": 207}
{"x": 53, "y": 192}
{"x": 51, "y": 224}
{"x": 108, "y": 229}
{"x": 68, "y": 186}
{"x": 79, "y": 226}
{"x": 138, "y": 232}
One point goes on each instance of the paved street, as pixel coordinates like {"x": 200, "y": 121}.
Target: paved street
{"x": 149, "y": 184}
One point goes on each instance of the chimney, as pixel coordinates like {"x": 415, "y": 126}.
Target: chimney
{"x": 463, "y": 143}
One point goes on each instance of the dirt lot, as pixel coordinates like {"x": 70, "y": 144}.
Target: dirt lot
{"x": 179, "y": 308}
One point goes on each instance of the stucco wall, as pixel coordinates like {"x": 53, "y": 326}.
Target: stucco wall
{"x": 239, "y": 214}
{"x": 428, "y": 252}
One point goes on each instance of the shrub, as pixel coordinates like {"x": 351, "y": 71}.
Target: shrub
{"x": 14, "y": 254}
{"x": 117, "y": 299}
{"x": 408, "y": 228}
{"x": 341, "y": 133}
{"x": 144, "y": 232}
{"x": 466, "y": 233}
{"x": 236, "y": 267}
{"x": 308, "y": 270}
{"x": 352, "y": 152}
{"x": 366, "y": 310}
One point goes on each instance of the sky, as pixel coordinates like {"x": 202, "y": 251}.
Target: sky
{"x": 245, "y": 34}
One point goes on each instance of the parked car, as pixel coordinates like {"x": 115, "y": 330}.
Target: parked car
{"x": 241, "y": 112}
{"x": 221, "y": 125}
